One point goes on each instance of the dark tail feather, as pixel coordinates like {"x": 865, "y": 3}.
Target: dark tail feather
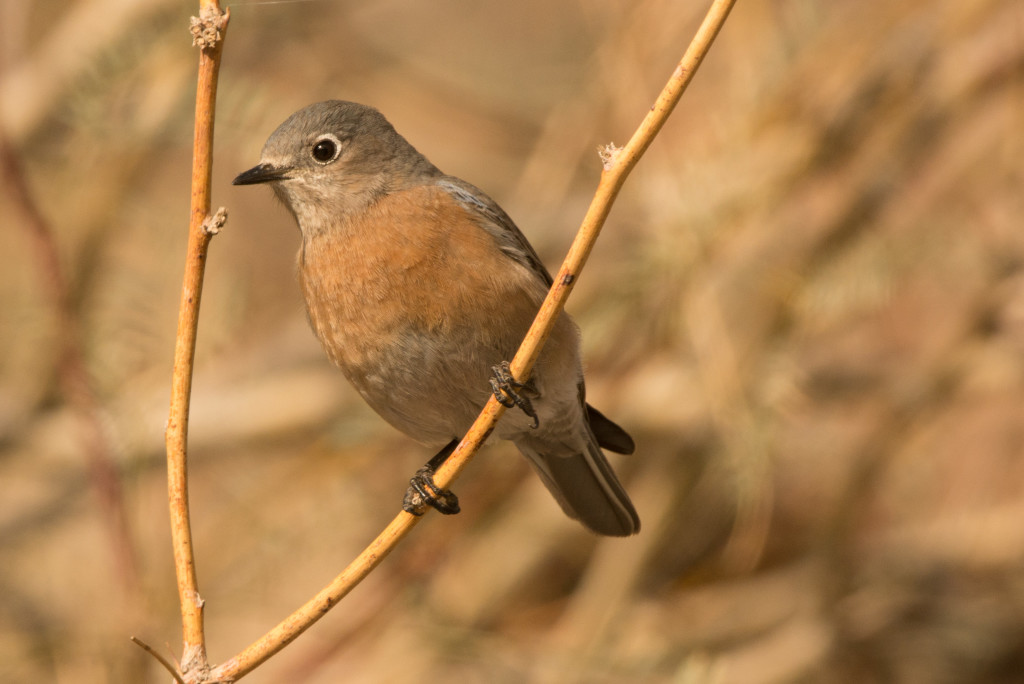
{"x": 587, "y": 489}
{"x": 608, "y": 434}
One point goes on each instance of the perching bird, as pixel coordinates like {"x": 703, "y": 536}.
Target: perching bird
{"x": 419, "y": 287}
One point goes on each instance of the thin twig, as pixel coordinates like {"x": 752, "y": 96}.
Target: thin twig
{"x": 168, "y": 665}
{"x": 618, "y": 163}
{"x": 208, "y": 34}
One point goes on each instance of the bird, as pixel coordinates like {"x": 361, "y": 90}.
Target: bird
{"x": 420, "y": 288}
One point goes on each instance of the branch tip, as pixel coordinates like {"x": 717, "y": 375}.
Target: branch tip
{"x": 206, "y": 28}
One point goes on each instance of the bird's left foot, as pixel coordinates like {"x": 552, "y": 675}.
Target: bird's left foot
{"x": 424, "y": 492}
{"x": 511, "y": 393}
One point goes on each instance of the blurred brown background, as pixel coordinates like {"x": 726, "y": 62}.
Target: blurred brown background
{"x": 807, "y": 306}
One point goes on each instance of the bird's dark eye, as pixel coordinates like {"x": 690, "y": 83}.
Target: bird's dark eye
{"x": 326, "y": 149}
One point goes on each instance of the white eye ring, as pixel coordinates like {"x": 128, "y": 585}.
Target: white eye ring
{"x": 326, "y": 149}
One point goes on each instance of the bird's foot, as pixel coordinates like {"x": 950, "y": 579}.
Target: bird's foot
{"x": 424, "y": 492}
{"x": 511, "y": 393}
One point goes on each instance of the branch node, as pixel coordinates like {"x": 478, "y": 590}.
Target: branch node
{"x": 213, "y": 224}
{"x": 608, "y": 153}
{"x": 197, "y": 599}
{"x": 206, "y": 28}
{"x": 193, "y": 660}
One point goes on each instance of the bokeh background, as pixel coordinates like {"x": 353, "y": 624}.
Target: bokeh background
{"x": 807, "y": 306}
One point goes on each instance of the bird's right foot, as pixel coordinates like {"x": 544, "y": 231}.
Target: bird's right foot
{"x": 511, "y": 393}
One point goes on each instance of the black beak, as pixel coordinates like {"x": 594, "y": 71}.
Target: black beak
{"x": 264, "y": 173}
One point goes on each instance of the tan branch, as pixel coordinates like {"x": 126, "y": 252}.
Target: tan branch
{"x": 208, "y": 34}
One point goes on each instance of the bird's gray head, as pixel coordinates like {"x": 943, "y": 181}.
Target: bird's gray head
{"x": 334, "y": 158}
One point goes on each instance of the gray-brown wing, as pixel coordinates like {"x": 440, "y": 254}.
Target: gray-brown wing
{"x": 513, "y": 243}
{"x": 496, "y": 222}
